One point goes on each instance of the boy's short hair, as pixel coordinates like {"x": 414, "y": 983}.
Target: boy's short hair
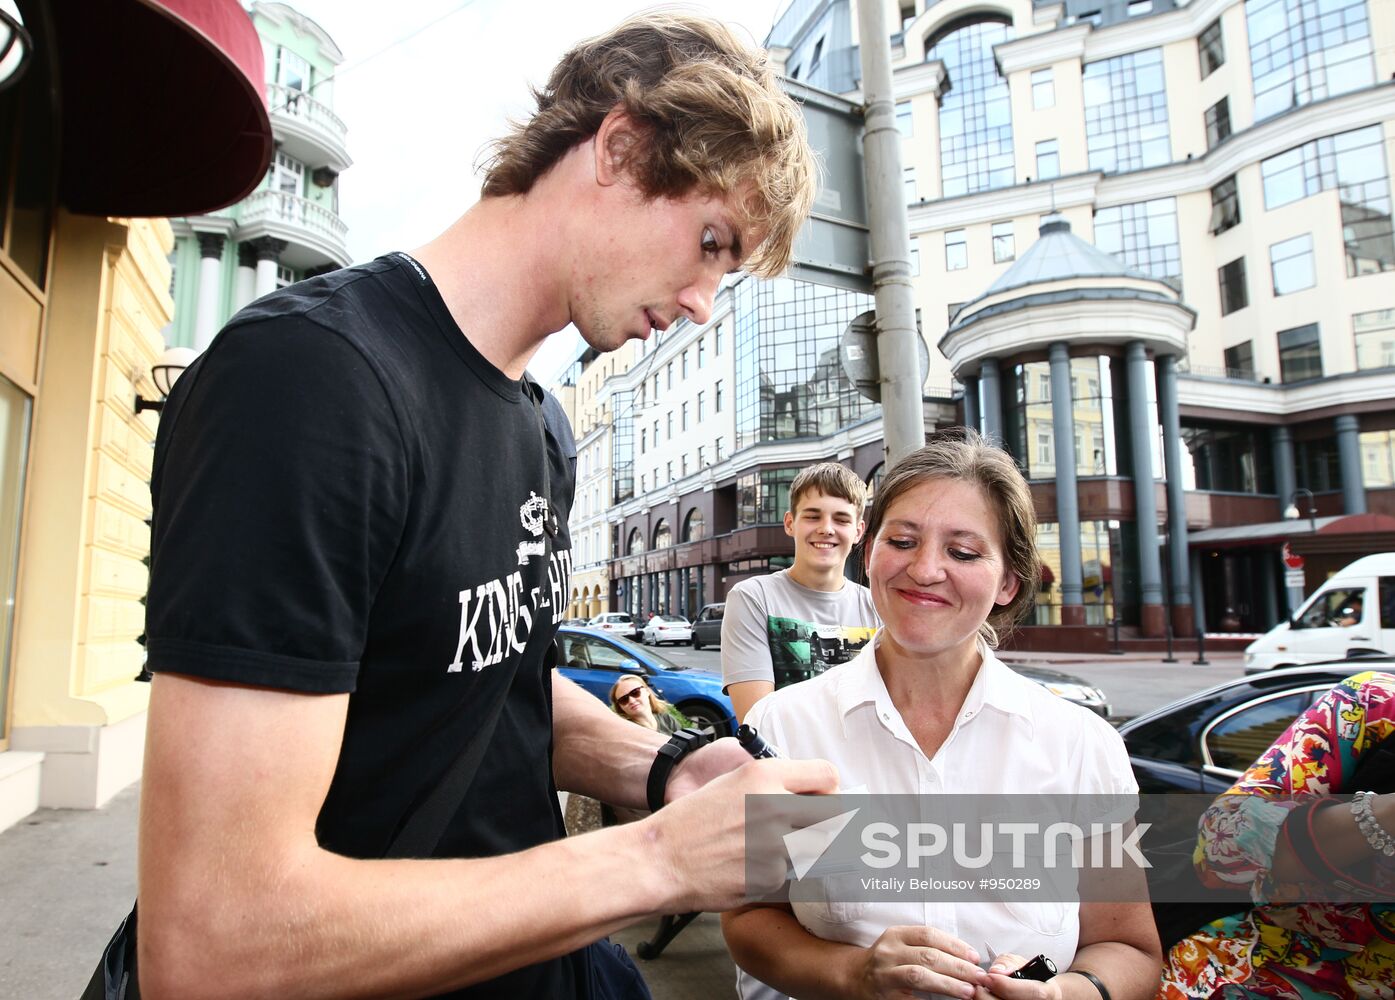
{"x": 713, "y": 119}
{"x": 832, "y": 479}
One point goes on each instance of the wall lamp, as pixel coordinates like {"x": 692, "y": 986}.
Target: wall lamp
{"x": 16, "y": 47}
{"x": 1291, "y": 512}
{"x": 164, "y": 373}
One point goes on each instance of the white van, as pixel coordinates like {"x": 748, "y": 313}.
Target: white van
{"x": 1351, "y": 615}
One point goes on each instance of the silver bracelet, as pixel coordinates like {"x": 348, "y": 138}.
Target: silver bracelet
{"x": 1376, "y": 835}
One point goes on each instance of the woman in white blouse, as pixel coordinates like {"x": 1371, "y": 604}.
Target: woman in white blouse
{"x": 928, "y": 708}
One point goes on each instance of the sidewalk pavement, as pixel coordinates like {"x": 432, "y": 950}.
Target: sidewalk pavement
{"x": 68, "y": 876}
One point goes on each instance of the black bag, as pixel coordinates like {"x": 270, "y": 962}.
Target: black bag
{"x": 612, "y": 975}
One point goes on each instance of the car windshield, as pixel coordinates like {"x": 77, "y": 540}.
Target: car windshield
{"x": 675, "y": 619}
{"x": 644, "y": 653}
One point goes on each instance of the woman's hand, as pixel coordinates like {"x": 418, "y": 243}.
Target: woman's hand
{"x": 912, "y": 960}
{"x": 1001, "y": 984}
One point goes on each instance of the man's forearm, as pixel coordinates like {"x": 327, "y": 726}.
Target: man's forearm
{"x": 321, "y": 925}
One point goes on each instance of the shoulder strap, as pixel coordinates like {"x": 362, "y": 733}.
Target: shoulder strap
{"x": 425, "y": 826}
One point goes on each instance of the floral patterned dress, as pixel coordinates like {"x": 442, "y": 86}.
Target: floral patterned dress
{"x": 1296, "y": 950}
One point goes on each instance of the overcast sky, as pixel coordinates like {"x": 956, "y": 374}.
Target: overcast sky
{"x": 419, "y": 111}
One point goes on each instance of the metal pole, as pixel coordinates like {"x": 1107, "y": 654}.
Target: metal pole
{"x": 903, "y": 421}
{"x": 1201, "y": 660}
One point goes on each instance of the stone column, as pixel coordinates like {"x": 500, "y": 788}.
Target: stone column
{"x": 245, "y": 290}
{"x": 991, "y": 381}
{"x": 1179, "y": 566}
{"x": 206, "y": 319}
{"x": 1067, "y": 497}
{"x": 1349, "y": 451}
{"x": 1198, "y": 595}
{"x": 971, "y": 414}
{"x": 1285, "y": 479}
{"x": 268, "y": 257}
{"x": 1145, "y": 503}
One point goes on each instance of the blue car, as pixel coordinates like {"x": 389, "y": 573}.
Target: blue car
{"x": 595, "y": 660}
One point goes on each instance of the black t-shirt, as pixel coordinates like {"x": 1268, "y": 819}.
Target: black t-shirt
{"x": 349, "y": 498}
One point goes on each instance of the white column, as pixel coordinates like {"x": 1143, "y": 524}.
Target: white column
{"x": 245, "y": 289}
{"x": 268, "y": 258}
{"x": 206, "y": 319}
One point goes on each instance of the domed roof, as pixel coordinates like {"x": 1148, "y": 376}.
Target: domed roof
{"x": 1058, "y": 256}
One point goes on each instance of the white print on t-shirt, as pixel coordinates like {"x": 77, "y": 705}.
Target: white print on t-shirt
{"x": 533, "y": 514}
{"x": 507, "y": 618}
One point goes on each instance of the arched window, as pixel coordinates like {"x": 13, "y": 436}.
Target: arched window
{"x": 636, "y": 545}
{"x": 874, "y": 481}
{"x": 975, "y": 116}
{"x": 663, "y": 535}
{"x": 694, "y": 527}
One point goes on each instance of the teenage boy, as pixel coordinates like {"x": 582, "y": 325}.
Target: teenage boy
{"x": 359, "y": 556}
{"x": 800, "y": 621}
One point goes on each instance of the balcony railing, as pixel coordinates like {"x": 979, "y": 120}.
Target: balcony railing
{"x": 300, "y": 105}
{"x": 281, "y": 206}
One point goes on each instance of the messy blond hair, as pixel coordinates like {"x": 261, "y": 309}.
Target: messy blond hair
{"x": 711, "y": 118}
{"x": 832, "y": 479}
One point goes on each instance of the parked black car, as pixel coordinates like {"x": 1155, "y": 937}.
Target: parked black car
{"x": 707, "y": 626}
{"x": 1203, "y": 742}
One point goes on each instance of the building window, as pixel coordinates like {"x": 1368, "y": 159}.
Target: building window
{"x": 1126, "y": 112}
{"x": 683, "y": 466}
{"x": 763, "y": 497}
{"x": 702, "y": 406}
{"x": 719, "y": 449}
{"x": 1234, "y": 295}
{"x": 1003, "y": 249}
{"x": 903, "y": 118}
{"x": 669, "y": 421}
{"x": 643, "y": 484}
{"x": 976, "y": 114}
{"x": 1217, "y": 123}
{"x": 1303, "y": 51}
{"x": 1045, "y": 462}
{"x": 683, "y": 419}
{"x": 817, "y": 57}
{"x": 1048, "y": 160}
{"x": 1043, "y": 89}
{"x": 1291, "y": 264}
{"x": 1210, "y": 47}
{"x": 1240, "y": 361}
{"x": 1138, "y": 8}
{"x": 694, "y": 524}
{"x": 717, "y": 397}
{"x": 915, "y": 258}
{"x": 1300, "y": 354}
{"x": 1144, "y": 236}
{"x": 1378, "y": 459}
{"x": 956, "y": 250}
{"x": 717, "y": 340}
{"x": 656, "y": 382}
{"x": 1375, "y": 338}
{"x": 702, "y": 352}
{"x": 668, "y": 472}
{"x": 908, "y": 177}
{"x": 685, "y": 364}
{"x": 669, "y": 376}
{"x": 701, "y": 459}
{"x": 643, "y": 441}
{"x": 1225, "y": 205}
{"x": 1353, "y": 163}
{"x": 1229, "y": 458}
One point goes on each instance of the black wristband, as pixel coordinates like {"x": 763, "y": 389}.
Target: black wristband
{"x": 679, "y": 745}
{"x": 1094, "y": 981}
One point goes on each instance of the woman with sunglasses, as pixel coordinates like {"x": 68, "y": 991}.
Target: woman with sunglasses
{"x": 631, "y": 698}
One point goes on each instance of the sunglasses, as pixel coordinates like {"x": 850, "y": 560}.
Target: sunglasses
{"x": 632, "y": 693}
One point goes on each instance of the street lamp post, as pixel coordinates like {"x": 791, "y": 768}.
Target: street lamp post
{"x": 1292, "y": 513}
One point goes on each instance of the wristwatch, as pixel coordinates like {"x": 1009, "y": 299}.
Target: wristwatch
{"x": 679, "y": 745}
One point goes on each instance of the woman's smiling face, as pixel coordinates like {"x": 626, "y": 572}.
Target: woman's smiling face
{"x": 936, "y": 568}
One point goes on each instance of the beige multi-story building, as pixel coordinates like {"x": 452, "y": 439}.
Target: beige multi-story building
{"x": 1151, "y": 242}
{"x": 84, "y": 296}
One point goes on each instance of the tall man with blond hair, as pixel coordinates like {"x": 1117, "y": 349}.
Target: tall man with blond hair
{"x": 360, "y": 555}
{"x": 797, "y": 622}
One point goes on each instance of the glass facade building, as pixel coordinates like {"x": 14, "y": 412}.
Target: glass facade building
{"x": 976, "y": 151}
{"x": 1126, "y": 112}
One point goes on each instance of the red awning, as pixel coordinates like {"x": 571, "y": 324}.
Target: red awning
{"x": 162, "y": 106}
